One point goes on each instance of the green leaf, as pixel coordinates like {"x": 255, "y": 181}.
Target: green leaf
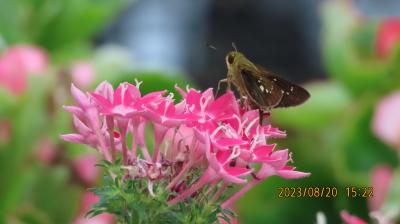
{"x": 51, "y": 188}
{"x": 8, "y": 102}
{"x": 9, "y": 21}
{"x": 28, "y": 122}
{"x": 76, "y": 20}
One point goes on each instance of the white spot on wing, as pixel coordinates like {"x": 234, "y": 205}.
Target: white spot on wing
{"x": 262, "y": 87}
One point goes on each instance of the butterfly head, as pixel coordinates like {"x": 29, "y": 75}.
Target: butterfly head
{"x": 236, "y": 60}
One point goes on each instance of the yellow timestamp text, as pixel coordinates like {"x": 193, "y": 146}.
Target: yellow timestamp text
{"x": 307, "y": 192}
{"x": 359, "y": 192}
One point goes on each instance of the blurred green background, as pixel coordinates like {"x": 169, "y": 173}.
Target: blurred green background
{"x": 347, "y": 54}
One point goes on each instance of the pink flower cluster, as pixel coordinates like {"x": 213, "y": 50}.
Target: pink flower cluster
{"x": 19, "y": 61}
{"x": 201, "y": 132}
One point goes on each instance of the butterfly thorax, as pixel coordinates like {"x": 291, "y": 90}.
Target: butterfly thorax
{"x": 241, "y": 63}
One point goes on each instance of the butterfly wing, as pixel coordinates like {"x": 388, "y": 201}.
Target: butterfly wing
{"x": 262, "y": 91}
{"x": 292, "y": 94}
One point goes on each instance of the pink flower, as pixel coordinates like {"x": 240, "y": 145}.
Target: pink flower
{"x": 19, "y": 61}
{"x": 386, "y": 122}
{"x": 388, "y": 36}
{"x": 277, "y": 165}
{"x": 125, "y": 101}
{"x": 164, "y": 113}
{"x": 381, "y": 179}
{"x": 223, "y": 164}
{"x": 89, "y": 123}
{"x": 89, "y": 199}
{"x": 351, "y": 219}
{"x": 31, "y": 59}
{"x": 85, "y": 168}
{"x": 121, "y": 103}
{"x": 274, "y": 164}
{"x": 212, "y": 135}
{"x": 82, "y": 74}
{"x": 203, "y": 111}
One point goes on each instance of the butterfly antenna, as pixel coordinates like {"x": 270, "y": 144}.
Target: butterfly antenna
{"x": 234, "y": 46}
{"x": 211, "y": 46}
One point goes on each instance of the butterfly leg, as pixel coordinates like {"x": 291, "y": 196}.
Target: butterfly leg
{"x": 260, "y": 116}
{"x": 219, "y": 85}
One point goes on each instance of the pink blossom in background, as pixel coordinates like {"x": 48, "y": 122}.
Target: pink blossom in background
{"x": 85, "y": 168}
{"x": 5, "y": 131}
{"x": 386, "y": 120}
{"x": 32, "y": 59}
{"x": 388, "y": 36}
{"x": 82, "y": 74}
{"x": 46, "y": 150}
{"x": 213, "y": 135}
{"x": 351, "y": 219}
{"x": 12, "y": 76}
{"x": 19, "y": 61}
{"x": 88, "y": 199}
{"x": 381, "y": 178}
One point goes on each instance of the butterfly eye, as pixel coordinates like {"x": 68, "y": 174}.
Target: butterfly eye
{"x": 231, "y": 59}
